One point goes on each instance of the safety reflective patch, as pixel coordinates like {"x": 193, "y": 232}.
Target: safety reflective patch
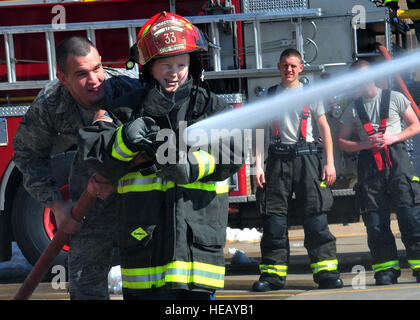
{"x": 139, "y": 233}
{"x": 415, "y": 178}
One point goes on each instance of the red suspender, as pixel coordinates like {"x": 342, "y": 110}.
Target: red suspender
{"x": 382, "y": 129}
{"x": 384, "y": 109}
{"x": 376, "y": 151}
{"x": 275, "y": 128}
{"x": 304, "y": 122}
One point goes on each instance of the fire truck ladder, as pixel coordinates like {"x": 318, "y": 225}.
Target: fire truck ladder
{"x": 49, "y": 30}
{"x": 210, "y": 21}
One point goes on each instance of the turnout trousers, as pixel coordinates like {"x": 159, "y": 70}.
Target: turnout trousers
{"x": 378, "y": 193}
{"x": 300, "y": 175}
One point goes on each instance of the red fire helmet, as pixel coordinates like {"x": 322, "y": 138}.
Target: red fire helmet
{"x": 167, "y": 34}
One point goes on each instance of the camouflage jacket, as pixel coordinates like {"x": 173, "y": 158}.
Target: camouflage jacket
{"x": 50, "y": 126}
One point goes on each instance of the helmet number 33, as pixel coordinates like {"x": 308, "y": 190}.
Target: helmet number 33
{"x": 170, "y": 37}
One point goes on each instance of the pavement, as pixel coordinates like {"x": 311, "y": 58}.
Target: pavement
{"x": 351, "y": 242}
{"x": 354, "y": 265}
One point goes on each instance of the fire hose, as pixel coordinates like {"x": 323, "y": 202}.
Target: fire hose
{"x": 50, "y": 253}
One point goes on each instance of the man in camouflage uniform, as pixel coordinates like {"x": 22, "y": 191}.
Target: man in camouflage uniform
{"x": 61, "y": 108}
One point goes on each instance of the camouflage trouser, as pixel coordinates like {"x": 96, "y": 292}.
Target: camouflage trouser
{"x": 90, "y": 254}
{"x": 91, "y": 248}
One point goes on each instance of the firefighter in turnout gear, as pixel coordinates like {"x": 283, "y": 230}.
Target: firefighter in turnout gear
{"x": 173, "y": 214}
{"x": 386, "y": 178}
{"x": 294, "y": 165}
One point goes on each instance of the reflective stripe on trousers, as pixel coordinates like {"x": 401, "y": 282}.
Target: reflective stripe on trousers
{"x": 414, "y": 264}
{"x": 394, "y": 264}
{"x": 277, "y": 269}
{"x": 176, "y": 271}
{"x": 326, "y": 265}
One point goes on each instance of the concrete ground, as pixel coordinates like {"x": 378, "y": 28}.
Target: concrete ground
{"x": 354, "y": 265}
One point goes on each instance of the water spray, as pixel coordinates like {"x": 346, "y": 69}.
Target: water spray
{"x": 257, "y": 114}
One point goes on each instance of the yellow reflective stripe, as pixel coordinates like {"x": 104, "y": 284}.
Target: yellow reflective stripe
{"x": 325, "y": 265}
{"x": 394, "y": 264}
{"x": 278, "y": 269}
{"x": 176, "y": 271}
{"x": 415, "y": 178}
{"x": 414, "y": 264}
{"x": 206, "y": 163}
{"x": 136, "y": 182}
{"x": 201, "y": 164}
{"x": 212, "y": 163}
{"x": 222, "y": 186}
{"x": 174, "y": 264}
{"x": 120, "y": 150}
{"x": 147, "y": 29}
{"x": 219, "y": 187}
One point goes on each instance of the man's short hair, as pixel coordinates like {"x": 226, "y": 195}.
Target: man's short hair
{"x": 360, "y": 63}
{"x": 77, "y": 46}
{"x": 291, "y": 53}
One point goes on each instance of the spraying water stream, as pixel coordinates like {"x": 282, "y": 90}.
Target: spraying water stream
{"x": 256, "y": 114}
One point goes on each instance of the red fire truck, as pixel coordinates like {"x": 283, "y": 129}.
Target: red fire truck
{"x": 250, "y": 33}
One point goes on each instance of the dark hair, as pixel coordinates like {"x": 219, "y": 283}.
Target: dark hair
{"x": 77, "y": 46}
{"x": 291, "y": 53}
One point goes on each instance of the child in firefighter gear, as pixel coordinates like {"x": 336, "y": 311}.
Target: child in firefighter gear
{"x": 294, "y": 165}
{"x": 53, "y": 120}
{"x": 386, "y": 178}
{"x": 173, "y": 215}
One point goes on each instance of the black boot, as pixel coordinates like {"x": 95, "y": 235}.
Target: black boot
{"x": 329, "y": 280}
{"x": 417, "y": 275}
{"x": 268, "y": 283}
{"x": 330, "y": 284}
{"x": 386, "y": 277}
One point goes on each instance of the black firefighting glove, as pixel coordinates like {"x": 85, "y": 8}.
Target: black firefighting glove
{"x": 179, "y": 172}
{"x": 185, "y": 166}
{"x": 140, "y": 135}
{"x": 392, "y": 5}
{"x": 176, "y": 167}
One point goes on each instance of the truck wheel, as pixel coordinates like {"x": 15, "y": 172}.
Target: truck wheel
{"x": 33, "y": 225}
